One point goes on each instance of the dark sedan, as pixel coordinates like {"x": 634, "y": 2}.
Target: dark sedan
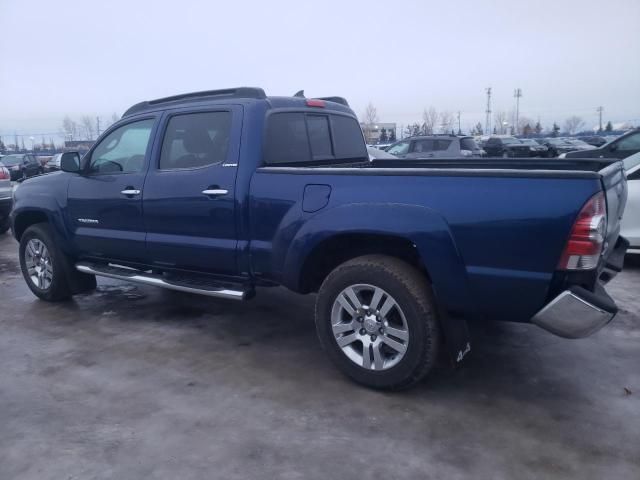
{"x": 506, "y": 146}
{"x": 22, "y": 165}
{"x": 556, "y": 146}
{"x": 536, "y": 149}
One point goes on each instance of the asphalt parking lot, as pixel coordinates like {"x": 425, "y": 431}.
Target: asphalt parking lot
{"x": 134, "y": 382}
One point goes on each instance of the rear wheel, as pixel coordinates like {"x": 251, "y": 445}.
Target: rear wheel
{"x": 375, "y": 317}
{"x": 49, "y": 273}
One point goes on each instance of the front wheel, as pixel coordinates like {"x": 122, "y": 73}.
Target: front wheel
{"x": 375, "y": 317}
{"x": 49, "y": 273}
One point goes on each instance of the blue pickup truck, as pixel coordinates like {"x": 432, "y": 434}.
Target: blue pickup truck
{"x": 219, "y": 192}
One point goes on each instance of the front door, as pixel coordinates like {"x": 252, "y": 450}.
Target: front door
{"x": 189, "y": 195}
{"x": 105, "y": 199}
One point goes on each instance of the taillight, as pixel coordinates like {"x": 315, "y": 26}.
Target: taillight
{"x": 4, "y": 174}
{"x": 585, "y": 243}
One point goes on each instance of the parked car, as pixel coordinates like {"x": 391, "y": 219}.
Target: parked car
{"x": 620, "y": 148}
{"x": 431, "y": 146}
{"x": 22, "y": 165}
{"x": 53, "y": 164}
{"x": 506, "y": 146}
{"x": 578, "y": 144}
{"x": 375, "y": 153}
{"x": 595, "y": 140}
{"x": 381, "y": 146}
{"x": 556, "y": 146}
{"x": 5, "y": 198}
{"x": 630, "y": 227}
{"x": 535, "y": 149}
{"x": 219, "y": 192}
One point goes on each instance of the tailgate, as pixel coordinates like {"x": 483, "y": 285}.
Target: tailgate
{"x": 614, "y": 184}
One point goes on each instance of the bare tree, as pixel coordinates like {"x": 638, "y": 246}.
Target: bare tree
{"x": 370, "y": 115}
{"x": 446, "y": 120}
{"x": 430, "y": 120}
{"x": 573, "y": 124}
{"x": 69, "y": 128}
{"x": 500, "y": 120}
{"x": 87, "y": 126}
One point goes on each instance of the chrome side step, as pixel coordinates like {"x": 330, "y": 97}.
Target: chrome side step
{"x": 201, "y": 288}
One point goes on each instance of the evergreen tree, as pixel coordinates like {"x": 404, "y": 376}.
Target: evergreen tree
{"x": 392, "y": 135}
{"x": 537, "y": 128}
{"x": 479, "y": 129}
{"x": 383, "y": 136}
{"x": 609, "y": 127}
{"x": 555, "y": 130}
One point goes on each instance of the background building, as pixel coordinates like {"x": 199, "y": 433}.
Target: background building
{"x": 379, "y": 132}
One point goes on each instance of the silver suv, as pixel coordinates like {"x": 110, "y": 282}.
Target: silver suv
{"x": 436, "y": 146}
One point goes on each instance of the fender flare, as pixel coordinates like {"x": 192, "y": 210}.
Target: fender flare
{"x": 424, "y": 227}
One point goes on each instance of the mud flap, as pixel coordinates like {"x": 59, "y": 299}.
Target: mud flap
{"x": 457, "y": 338}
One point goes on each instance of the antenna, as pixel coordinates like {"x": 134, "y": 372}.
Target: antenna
{"x": 517, "y": 93}
{"x": 600, "y": 110}
{"x": 487, "y": 121}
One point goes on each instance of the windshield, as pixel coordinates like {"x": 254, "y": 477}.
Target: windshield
{"x": 579, "y": 143}
{"x": 556, "y": 141}
{"x": 10, "y": 160}
{"x": 511, "y": 141}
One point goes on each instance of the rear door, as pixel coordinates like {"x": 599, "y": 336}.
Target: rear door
{"x": 104, "y": 207}
{"x": 189, "y": 203}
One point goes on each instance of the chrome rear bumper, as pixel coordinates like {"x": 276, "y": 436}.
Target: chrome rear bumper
{"x": 577, "y": 313}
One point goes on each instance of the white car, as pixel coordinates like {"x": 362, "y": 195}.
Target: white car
{"x": 631, "y": 219}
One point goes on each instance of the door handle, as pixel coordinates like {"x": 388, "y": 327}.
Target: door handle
{"x": 215, "y": 192}
{"x": 130, "y": 191}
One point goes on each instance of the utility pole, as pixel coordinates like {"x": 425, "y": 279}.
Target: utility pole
{"x": 459, "y": 129}
{"x": 600, "y": 110}
{"x": 487, "y": 120}
{"x": 97, "y": 126}
{"x": 517, "y": 93}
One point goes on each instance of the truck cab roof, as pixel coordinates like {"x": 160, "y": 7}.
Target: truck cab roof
{"x": 238, "y": 95}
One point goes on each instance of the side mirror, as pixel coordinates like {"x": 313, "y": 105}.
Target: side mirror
{"x": 70, "y": 162}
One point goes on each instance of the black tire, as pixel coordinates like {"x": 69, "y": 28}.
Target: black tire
{"x": 66, "y": 280}
{"x": 412, "y": 293}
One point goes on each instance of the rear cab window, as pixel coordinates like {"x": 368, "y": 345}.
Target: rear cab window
{"x": 295, "y": 138}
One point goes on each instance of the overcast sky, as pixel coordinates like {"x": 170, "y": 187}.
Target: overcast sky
{"x": 82, "y": 57}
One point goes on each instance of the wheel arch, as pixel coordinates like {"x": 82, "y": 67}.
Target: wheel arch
{"x": 418, "y": 235}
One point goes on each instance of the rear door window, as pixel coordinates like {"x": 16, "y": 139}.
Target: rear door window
{"x": 441, "y": 145}
{"x": 195, "y": 140}
{"x": 422, "y": 146}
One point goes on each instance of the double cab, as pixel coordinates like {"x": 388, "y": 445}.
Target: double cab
{"x": 220, "y": 192}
